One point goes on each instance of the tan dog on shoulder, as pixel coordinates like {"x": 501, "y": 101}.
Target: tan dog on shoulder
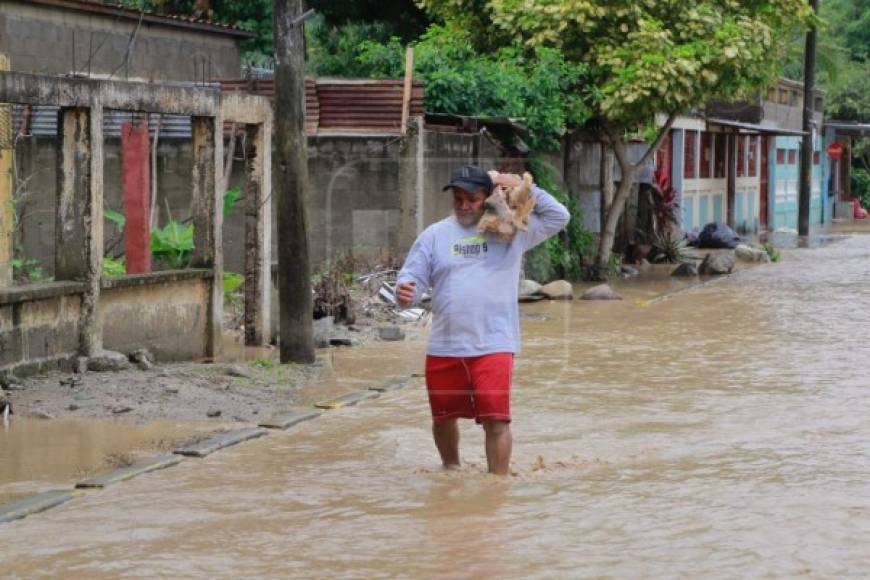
{"x": 508, "y": 208}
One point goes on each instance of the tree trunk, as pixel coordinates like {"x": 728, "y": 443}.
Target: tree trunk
{"x": 290, "y": 184}
{"x": 606, "y": 180}
{"x": 616, "y": 140}
{"x": 614, "y": 212}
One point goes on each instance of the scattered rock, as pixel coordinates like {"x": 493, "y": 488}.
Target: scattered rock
{"x": 172, "y": 390}
{"x": 391, "y": 333}
{"x": 534, "y": 316}
{"x": 558, "y": 290}
{"x": 80, "y": 365}
{"x": 8, "y": 381}
{"x": 322, "y": 329}
{"x": 686, "y": 269}
{"x": 121, "y": 409}
{"x": 142, "y": 358}
{"x": 340, "y": 342}
{"x": 718, "y": 235}
{"x": 529, "y": 288}
{"x": 716, "y": 265}
{"x": 72, "y": 381}
{"x": 213, "y": 413}
{"x": 238, "y": 372}
{"x": 13, "y": 384}
{"x": 41, "y": 415}
{"x": 600, "y": 292}
{"x": 750, "y": 254}
{"x": 72, "y": 407}
{"x": 532, "y": 298}
{"x": 629, "y": 271}
{"x": 108, "y": 361}
{"x": 83, "y": 397}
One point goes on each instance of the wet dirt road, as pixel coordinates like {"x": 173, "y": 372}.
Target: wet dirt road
{"x": 720, "y": 433}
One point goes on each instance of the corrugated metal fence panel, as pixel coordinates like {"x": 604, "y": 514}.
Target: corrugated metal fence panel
{"x": 43, "y": 122}
{"x": 365, "y": 105}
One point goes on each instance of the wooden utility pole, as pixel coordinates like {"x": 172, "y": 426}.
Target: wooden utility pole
{"x": 806, "y": 169}
{"x": 290, "y": 184}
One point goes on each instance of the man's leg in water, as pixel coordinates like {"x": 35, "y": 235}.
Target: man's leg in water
{"x": 499, "y": 444}
{"x": 446, "y": 434}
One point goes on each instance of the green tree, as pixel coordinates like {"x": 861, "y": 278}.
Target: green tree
{"x": 644, "y": 58}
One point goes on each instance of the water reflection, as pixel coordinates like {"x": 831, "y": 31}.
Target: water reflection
{"x": 722, "y": 432}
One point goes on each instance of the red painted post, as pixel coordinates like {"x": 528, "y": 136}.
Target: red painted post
{"x": 136, "y": 182}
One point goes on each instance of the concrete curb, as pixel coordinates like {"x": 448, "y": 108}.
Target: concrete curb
{"x": 125, "y": 473}
{"x": 289, "y": 419}
{"x": 347, "y": 400}
{"x": 33, "y": 504}
{"x": 49, "y": 499}
{"x": 209, "y": 446}
{"x": 393, "y": 385}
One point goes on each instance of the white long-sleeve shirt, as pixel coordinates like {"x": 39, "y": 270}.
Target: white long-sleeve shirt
{"x": 473, "y": 279}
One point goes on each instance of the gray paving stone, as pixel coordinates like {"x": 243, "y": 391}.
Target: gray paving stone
{"x": 125, "y": 473}
{"x": 209, "y": 446}
{"x": 347, "y": 400}
{"x": 287, "y": 420}
{"x": 33, "y": 504}
{"x": 393, "y": 385}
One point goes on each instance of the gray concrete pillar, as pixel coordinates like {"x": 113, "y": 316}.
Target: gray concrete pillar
{"x": 411, "y": 179}
{"x": 207, "y": 210}
{"x": 258, "y": 231}
{"x": 79, "y": 218}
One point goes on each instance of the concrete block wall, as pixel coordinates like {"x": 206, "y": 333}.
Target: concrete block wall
{"x": 164, "y": 313}
{"x": 48, "y": 40}
{"x": 39, "y": 327}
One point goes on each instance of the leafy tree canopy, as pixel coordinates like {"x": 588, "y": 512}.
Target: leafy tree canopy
{"x": 650, "y": 56}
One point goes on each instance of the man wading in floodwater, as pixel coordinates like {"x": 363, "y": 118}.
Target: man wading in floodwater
{"x": 474, "y": 281}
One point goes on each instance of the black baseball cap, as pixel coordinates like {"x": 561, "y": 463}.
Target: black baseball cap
{"x": 470, "y": 178}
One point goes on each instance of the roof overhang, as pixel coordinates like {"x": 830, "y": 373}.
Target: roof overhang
{"x": 850, "y": 129}
{"x": 760, "y": 128}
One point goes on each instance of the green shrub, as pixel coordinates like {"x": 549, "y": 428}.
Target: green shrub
{"x": 113, "y": 268}
{"x": 173, "y": 244}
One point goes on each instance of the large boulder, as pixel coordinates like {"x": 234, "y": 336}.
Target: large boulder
{"x": 685, "y": 270}
{"x": 717, "y": 235}
{"x": 108, "y": 361}
{"x": 600, "y": 292}
{"x": 558, "y": 290}
{"x": 529, "y": 288}
{"x": 746, "y": 253}
{"x": 716, "y": 265}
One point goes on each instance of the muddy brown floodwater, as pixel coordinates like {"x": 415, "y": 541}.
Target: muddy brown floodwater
{"x": 720, "y": 433}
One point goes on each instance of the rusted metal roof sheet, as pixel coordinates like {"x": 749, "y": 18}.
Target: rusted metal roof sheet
{"x": 118, "y": 11}
{"x": 344, "y": 105}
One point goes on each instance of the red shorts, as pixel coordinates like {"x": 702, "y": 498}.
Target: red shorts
{"x": 474, "y": 387}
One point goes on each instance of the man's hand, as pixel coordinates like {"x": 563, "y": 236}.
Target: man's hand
{"x": 405, "y": 294}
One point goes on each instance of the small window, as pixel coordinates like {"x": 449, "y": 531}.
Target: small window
{"x": 771, "y": 94}
{"x": 794, "y": 99}
{"x": 689, "y": 154}
{"x": 820, "y": 104}
{"x": 753, "y": 156}
{"x": 721, "y": 155}
{"x": 741, "y": 156}
{"x": 792, "y": 156}
{"x": 780, "y": 156}
{"x": 706, "y": 154}
{"x": 817, "y": 158}
{"x": 783, "y": 96}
